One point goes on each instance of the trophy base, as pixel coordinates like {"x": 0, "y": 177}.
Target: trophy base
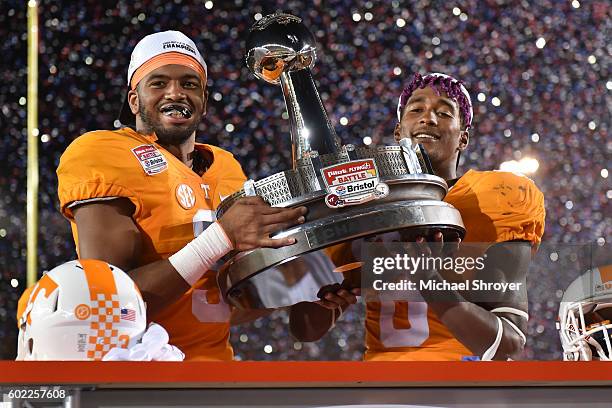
{"x": 277, "y": 277}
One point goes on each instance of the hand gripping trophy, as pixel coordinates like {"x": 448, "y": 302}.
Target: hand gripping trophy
{"x": 350, "y": 192}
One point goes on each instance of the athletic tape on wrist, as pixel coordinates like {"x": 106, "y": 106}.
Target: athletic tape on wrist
{"x": 511, "y": 310}
{"x": 516, "y": 312}
{"x": 490, "y": 353}
{"x": 195, "y": 258}
{"x": 516, "y": 329}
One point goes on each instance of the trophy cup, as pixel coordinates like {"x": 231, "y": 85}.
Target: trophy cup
{"x": 350, "y": 192}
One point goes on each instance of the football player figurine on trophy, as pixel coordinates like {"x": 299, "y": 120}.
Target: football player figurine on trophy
{"x": 350, "y": 192}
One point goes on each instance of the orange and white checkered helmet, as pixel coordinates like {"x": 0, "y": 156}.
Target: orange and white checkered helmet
{"x": 79, "y": 311}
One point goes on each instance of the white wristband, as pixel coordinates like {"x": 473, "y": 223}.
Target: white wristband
{"x": 199, "y": 255}
{"x": 490, "y": 353}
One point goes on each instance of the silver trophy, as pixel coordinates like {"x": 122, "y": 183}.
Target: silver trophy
{"x": 350, "y": 192}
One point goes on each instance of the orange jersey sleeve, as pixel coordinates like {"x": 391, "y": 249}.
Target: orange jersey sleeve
{"x": 495, "y": 207}
{"x": 499, "y": 206}
{"x": 99, "y": 165}
{"x": 173, "y": 204}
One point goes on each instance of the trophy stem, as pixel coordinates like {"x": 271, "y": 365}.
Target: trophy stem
{"x": 310, "y": 126}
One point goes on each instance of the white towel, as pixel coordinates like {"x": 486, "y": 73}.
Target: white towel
{"x": 152, "y": 347}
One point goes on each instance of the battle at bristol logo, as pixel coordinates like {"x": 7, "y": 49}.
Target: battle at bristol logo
{"x": 352, "y": 183}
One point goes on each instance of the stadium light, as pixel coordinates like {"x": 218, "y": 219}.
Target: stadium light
{"x": 526, "y": 165}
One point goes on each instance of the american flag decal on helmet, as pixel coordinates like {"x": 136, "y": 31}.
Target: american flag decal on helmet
{"x": 128, "y": 314}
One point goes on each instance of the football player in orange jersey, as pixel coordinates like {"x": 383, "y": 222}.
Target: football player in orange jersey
{"x": 136, "y": 197}
{"x": 502, "y": 209}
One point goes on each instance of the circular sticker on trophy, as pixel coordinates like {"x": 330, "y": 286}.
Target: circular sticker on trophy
{"x": 381, "y": 190}
{"x": 333, "y": 201}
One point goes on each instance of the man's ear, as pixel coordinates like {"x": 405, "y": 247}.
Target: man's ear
{"x": 204, "y": 101}
{"x": 464, "y": 140}
{"x": 396, "y": 133}
{"x": 133, "y": 101}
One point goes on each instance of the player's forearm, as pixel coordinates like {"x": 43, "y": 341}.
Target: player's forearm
{"x": 461, "y": 318}
{"x": 497, "y": 333}
{"x": 107, "y": 232}
{"x": 160, "y": 284}
{"x": 477, "y": 329}
{"x": 164, "y": 282}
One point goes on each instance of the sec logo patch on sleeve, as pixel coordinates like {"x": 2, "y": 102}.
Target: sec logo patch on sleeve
{"x": 152, "y": 160}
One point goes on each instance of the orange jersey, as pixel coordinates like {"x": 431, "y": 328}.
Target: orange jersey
{"x": 495, "y": 207}
{"x": 173, "y": 204}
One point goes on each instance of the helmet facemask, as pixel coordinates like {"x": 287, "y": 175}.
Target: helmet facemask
{"x": 586, "y": 331}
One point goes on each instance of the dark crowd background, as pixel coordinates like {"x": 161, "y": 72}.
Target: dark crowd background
{"x": 542, "y": 68}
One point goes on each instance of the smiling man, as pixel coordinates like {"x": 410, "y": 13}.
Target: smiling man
{"x": 136, "y": 197}
{"x": 436, "y": 111}
{"x": 503, "y": 212}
